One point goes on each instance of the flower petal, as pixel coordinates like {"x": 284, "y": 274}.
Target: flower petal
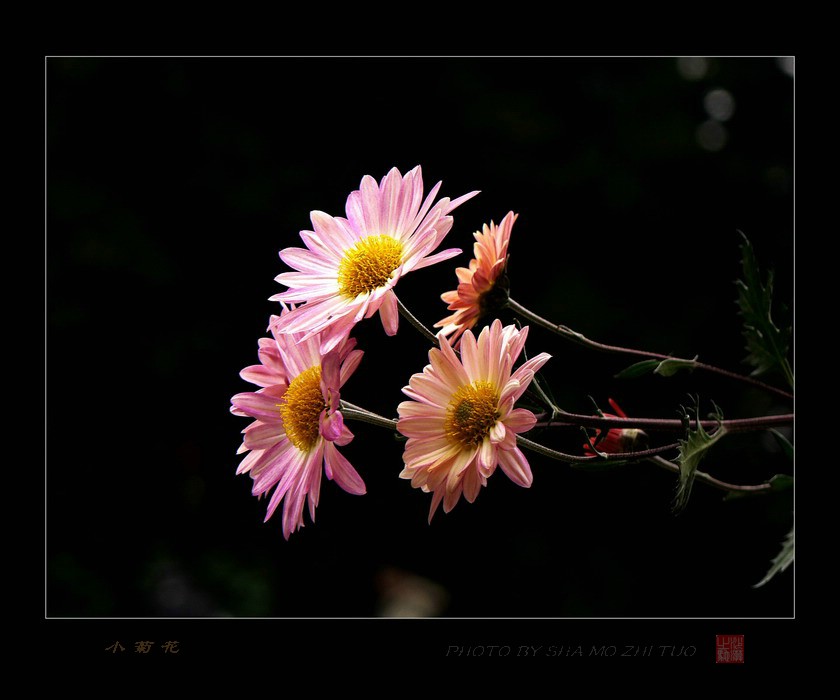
{"x": 514, "y": 464}
{"x": 343, "y": 472}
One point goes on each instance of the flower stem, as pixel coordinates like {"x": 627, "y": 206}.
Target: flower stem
{"x": 580, "y": 339}
{"x": 710, "y": 480}
{"x": 664, "y": 424}
{"x": 351, "y": 412}
{"x": 578, "y": 459}
{"x": 412, "y": 319}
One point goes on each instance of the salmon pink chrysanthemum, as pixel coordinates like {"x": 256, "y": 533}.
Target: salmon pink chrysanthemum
{"x": 350, "y": 265}
{"x": 482, "y": 286}
{"x": 461, "y": 422}
{"x": 297, "y": 422}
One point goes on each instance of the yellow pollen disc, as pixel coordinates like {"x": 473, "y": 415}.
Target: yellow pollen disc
{"x": 301, "y": 408}
{"x": 472, "y": 412}
{"x": 368, "y": 265}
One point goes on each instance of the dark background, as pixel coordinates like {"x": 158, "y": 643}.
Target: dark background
{"x": 172, "y": 183}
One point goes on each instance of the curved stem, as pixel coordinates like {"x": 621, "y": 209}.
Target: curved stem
{"x": 710, "y": 480}
{"x": 580, "y": 339}
{"x": 665, "y": 424}
{"x": 578, "y": 459}
{"x": 353, "y": 412}
{"x": 367, "y": 417}
{"x": 413, "y": 320}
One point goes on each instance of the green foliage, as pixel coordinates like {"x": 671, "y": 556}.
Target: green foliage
{"x": 781, "y": 482}
{"x": 638, "y": 369}
{"x": 781, "y": 562}
{"x": 767, "y": 345}
{"x": 692, "y": 450}
{"x": 668, "y": 368}
{"x": 665, "y": 368}
{"x": 784, "y": 443}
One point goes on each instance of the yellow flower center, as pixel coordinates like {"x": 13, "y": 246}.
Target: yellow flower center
{"x": 368, "y": 265}
{"x": 301, "y": 408}
{"x": 472, "y": 412}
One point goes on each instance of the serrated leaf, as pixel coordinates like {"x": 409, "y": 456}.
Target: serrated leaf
{"x": 638, "y": 369}
{"x": 692, "y": 450}
{"x": 784, "y": 443}
{"x": 781, "y": 562}
{"x": 767, "y": 345}
{"x": 668, "y": 368}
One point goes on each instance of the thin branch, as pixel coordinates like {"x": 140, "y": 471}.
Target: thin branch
{"x": 367, "y": 417}
{"x": 580, "y": 339}
{"x": 711, "y": 481}
{"x": 413, "y": 320}
{"x": 578, "y": 459}
{"x": 663, "y": 424}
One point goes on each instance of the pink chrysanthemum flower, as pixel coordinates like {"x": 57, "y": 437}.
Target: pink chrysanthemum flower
{"x": 350, "y": 266}
{"x": 297, "y": 423}
{"x": 462, "y": 422}
{"x": 616, "y": 439}
{"x": 482, "y": 286}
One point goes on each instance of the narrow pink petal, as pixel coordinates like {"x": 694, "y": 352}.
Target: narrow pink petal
{"x": 332, "y": 233}
{"x": 261, "y": 376}
{"x": 427, "y": 390}
{"x": 345, "y": 438}
{"x": 343, "y": 472}
{"x": 460, "y": 200}
{"x": 486, "y": 457}
{"x": 331, "y": 425}
{"x": 248, "y": 461}
{"x": 462, "y": 461}
{"x": 469, "y": 357}
{"x": 450, "y": 498}
{"x": 533, "y": 364}
{"x": 263, "y": 435}
{"x": 421, "y": 213}
{"x": 514, "y": 464}
{"x": 389, "y": 314}
{"x": 259, "y": 405}
{"x": 498, "y": 433}
{"x": 436, "y": 258}
{"x": 315, "y": 316}
{"x": 349, "y": 366}
{"x": 520, "y": 420}
{"x": 471, "y": 485}
{"x": 276, "y": 467}
{"x": 308, "y": 261}
{"x": 437, "y": 496}
{"x": 408, "y": 409}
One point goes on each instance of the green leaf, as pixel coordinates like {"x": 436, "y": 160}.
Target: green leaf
{"x": 664, "y": 368}
{"x": 767, "y": 345}
{"x": 638, "y": 369}
{"x": 668, "y": 368}
{"x": 692, "y": 450}
{"x": 781, "y": 562}
{"x": 784, "y": 443}
{"x": 781, "y": 482}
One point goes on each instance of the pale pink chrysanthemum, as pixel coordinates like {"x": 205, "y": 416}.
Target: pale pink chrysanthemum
{"x": 462, "y": 422}
{"x": 350, "y": 265}
{"x": 297, "y": 422}
{"x": 479, "y": 285}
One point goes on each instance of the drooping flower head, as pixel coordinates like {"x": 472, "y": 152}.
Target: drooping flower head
{"x": 461, "y": 422}
{"x": 617, "y": 439}
{"x": 482, "y": 287}
{"x": 297, "y": 422}
{"x": 350, "y": 265}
